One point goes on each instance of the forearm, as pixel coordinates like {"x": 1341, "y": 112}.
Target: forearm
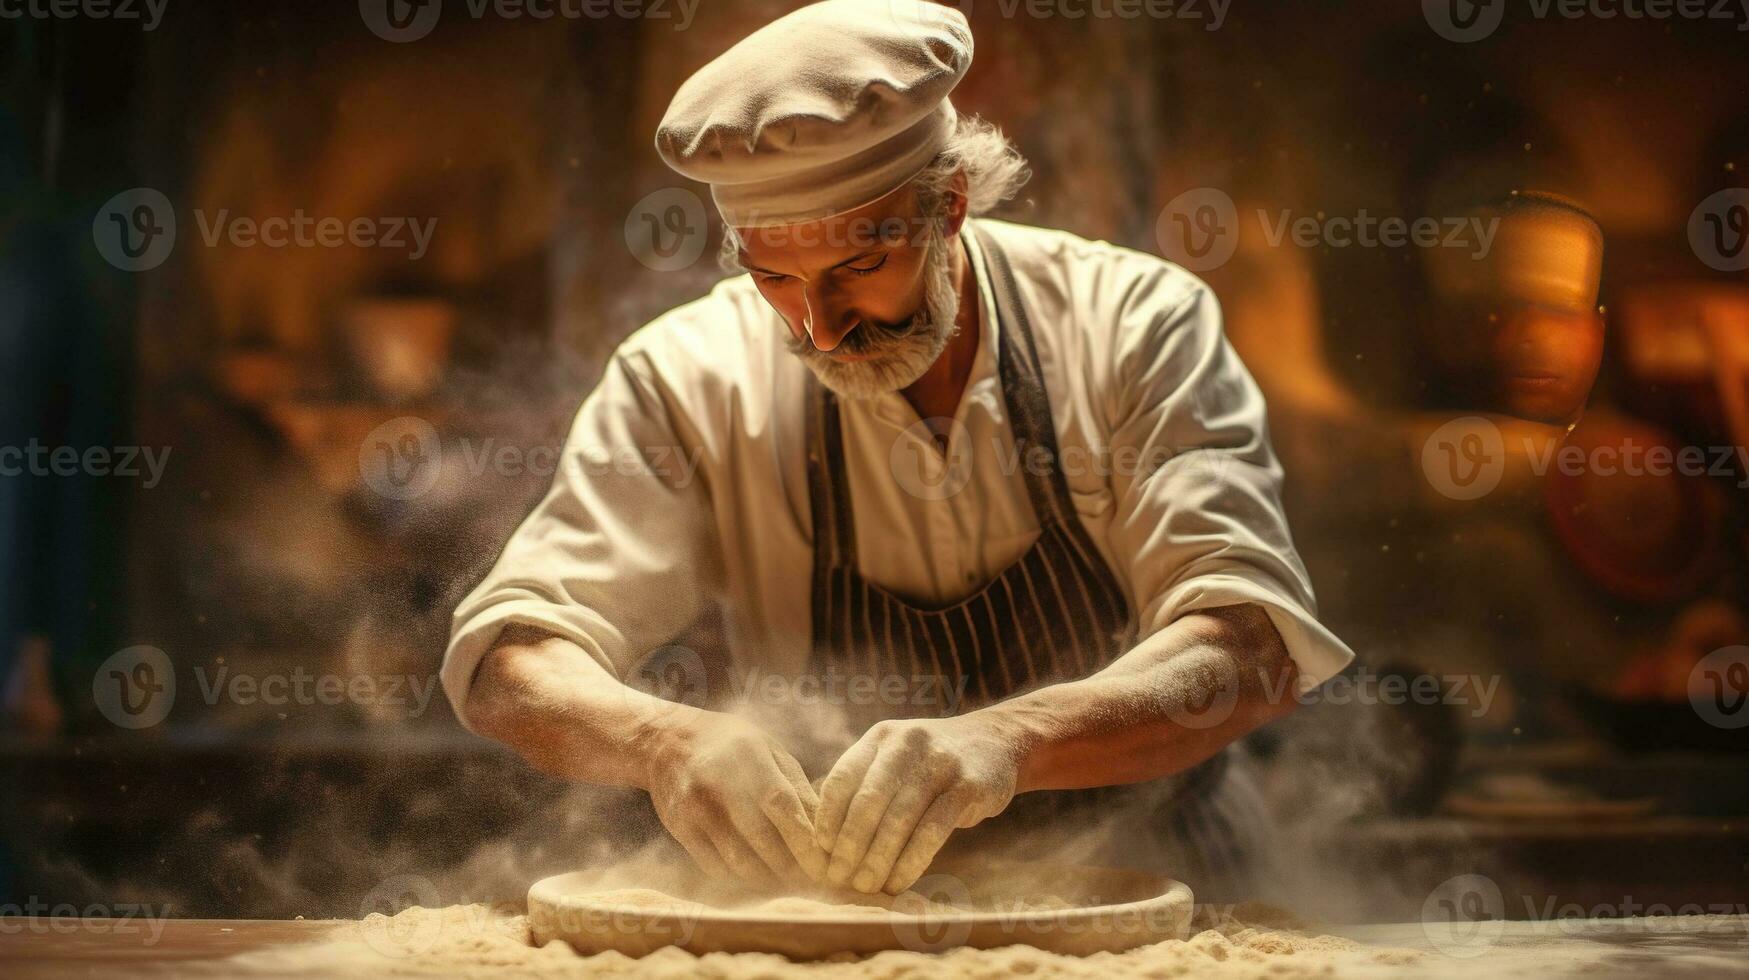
{"x": 563, "y": 712}
{"x": 1149, "y": 714}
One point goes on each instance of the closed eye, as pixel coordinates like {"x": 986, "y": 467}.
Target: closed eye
{"x": 873, "y": 264}
{"x": 870, "y": 269}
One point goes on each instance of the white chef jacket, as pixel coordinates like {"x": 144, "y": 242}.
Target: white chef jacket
{"x": 683, "y": 476}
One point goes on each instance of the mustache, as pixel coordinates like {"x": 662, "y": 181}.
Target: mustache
{"x": 867, "y": 337}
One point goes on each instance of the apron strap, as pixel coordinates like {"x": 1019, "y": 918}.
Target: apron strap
{"x": 828, "y": 482}
{"x": 1029, "y": 407}
{"x": 1023, "y": 390}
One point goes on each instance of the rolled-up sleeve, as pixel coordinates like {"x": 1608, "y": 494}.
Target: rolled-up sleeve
{"x": 618, "y": 555}
{"x": 1199, "y": 521}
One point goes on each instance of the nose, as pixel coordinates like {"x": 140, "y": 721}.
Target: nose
{"x": 825, "y": 325}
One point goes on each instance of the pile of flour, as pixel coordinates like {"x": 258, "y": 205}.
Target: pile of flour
{"x": 480, "y": 941}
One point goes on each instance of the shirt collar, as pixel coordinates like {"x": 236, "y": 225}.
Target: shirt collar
{"x": 981, "y": 384}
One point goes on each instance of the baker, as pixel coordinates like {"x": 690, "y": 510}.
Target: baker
{"x": 928, "y": 445}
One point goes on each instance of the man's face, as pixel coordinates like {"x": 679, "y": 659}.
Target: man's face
{"x": 1517, "y": 330}
{"x": 867, "y": 295}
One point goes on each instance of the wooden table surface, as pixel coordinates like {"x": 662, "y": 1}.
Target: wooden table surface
{"x": 1697, "y": 946}
{"x": 45, "y": 947}
{"x": 1713, "y": 946}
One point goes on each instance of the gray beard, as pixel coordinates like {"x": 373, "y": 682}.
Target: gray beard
{"x": 899, "y": 357}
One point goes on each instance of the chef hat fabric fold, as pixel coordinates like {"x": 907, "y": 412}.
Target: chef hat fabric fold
{"x": 821, "y": 111}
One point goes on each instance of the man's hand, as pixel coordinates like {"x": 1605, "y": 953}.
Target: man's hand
{"x": 892, "y": 800}
{"x": 736, "y": 801}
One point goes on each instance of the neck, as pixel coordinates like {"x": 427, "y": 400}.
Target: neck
{"x": 937, "y": 393}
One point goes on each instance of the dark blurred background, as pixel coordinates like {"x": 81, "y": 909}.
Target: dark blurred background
{"x": 268, "y": 375}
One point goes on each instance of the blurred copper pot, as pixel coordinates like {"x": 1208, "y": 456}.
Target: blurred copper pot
{"x": 1631, "y": 519}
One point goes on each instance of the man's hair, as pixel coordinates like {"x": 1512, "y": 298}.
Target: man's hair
{"x": 995, "y": 172}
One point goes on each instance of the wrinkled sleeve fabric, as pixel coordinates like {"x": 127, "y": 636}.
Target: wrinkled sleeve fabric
{"x": 618, "y": 555}
{"x": 1199, "y": 519}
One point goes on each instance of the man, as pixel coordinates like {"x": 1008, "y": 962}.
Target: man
{"x": 929, "y": 446}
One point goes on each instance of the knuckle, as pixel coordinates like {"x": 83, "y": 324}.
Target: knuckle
{"x": 948, "y": 765}
{"x": 774, "y": 798}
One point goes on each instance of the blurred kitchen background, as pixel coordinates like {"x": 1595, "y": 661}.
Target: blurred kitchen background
{"x": 264, "y": 549}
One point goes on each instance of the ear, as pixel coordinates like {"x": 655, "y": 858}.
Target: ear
{"x": 957, "y": 204}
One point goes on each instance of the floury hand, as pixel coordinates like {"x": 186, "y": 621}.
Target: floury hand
{"x": 891, "y": 801}
{"x": 728, "y": 792}
{"x": 735, "y": 799}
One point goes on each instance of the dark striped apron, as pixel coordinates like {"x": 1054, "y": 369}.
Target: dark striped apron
{"x": 1055, "y": 614}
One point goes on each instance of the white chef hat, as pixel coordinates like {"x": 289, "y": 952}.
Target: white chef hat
{"x": 821, "y": 111}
